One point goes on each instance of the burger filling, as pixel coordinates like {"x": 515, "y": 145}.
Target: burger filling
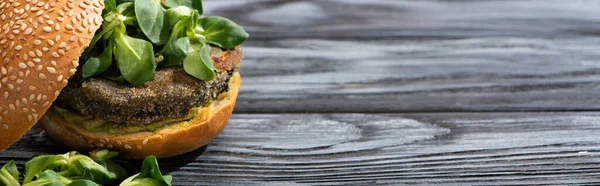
{"x": 140, "y": 73}
{"x": 100, "y": 104}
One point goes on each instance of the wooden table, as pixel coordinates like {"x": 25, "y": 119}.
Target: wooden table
{"x": 357, "y": 92}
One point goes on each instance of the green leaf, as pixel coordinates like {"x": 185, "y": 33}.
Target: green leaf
{"x": 9, "y": 175}
{"x": 46, "y": 178}
{"x": 124, "y": 1}
{"x": 82, "y": 183}
{"x": 152, "y": 20}
{"x": 198, "y": 62}
{"x": 103, "y": 155}
{"x": 142, "y": 182}
{"x": 150, "y": 169}
{"x": 222, "y": 32}
{"x": 126, "y": 9}
{"x": 37, "y": 165}
{"x": 135, "y": 59}
{"x": 11, "y": 168}
{"x": 80, "y": 166}
{"x": 175, "y": 51}
{"x": 193, "y": 4}
{"x": 97, "y": 65}
{"x": 109, "y": 28}
{"x": 177, "y": 47}
{"x": 177, "y": 13}
{"x": 110, "y": 5}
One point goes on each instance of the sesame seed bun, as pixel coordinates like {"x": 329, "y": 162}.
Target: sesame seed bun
{"x": 40, "y": 45}
{"x": 168, "y": 141}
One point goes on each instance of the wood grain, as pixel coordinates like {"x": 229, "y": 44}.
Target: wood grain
{"x": 430, "y": 75}
{"x": 417, "y": 56}
{"x": 460, "y": 71}
{"x": 267, "y": 19}
{"x": 359, "y": 149}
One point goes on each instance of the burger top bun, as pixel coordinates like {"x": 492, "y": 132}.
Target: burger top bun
{"x": 40, "y": 45}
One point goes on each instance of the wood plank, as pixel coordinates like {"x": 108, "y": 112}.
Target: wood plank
{"x": 359, "y": 149}
{"x": 403, "y": 18}
{"x": 404, "y": 75}
{"x": 377, "y": 56}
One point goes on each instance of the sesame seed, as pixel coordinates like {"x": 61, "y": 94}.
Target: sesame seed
{"x": 75, "y": 63}
{"x": 54, "y": 54}
{"x": 32, "y": 88}
{"x": 139, "y": 147}
{"x": 47, "y": 29}
{"x": 145, "y": 142}
{"x": 11, "y": 106}
{"x": 51, "y": 70}
{"x": 60, "y": 78}
{"x": 18, "y": 47}
{"x": 50, "y": 42}
{"x": 28, "y": 31}
{"x": 22, "y": 65}
{"x": 42, "y": 76}
{"x": 19, "y": 81}
{"x": 5, "y": 126}
{"x": 37, "y": 42}
{"x": 127, "y": 146}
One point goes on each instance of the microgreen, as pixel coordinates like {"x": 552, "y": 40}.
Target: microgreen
{"x": 198, "y": 62}
{"x": 139, "y": 35}
{"x": 9, "y": 175}
{"x": 74, "y": 169}
{"x": 135, "y": 58}
{"x": 222, "y": 32}
{"x": 153, "y": 20}
{"x": 150, "y": 175}
{"x": 194, "y": 4}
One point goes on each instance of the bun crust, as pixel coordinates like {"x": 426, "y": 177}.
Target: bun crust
{"x": 40, "y": 45}
{"x": 165, "y": 142}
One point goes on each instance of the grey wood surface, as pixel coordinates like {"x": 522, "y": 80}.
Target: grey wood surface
{"x": 365, "y": 149}
{"x": 417, "y": 56}
{"x": 393, "y": 92}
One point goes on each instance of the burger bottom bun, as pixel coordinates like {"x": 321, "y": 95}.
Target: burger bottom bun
{"x": 165, "y": 142}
